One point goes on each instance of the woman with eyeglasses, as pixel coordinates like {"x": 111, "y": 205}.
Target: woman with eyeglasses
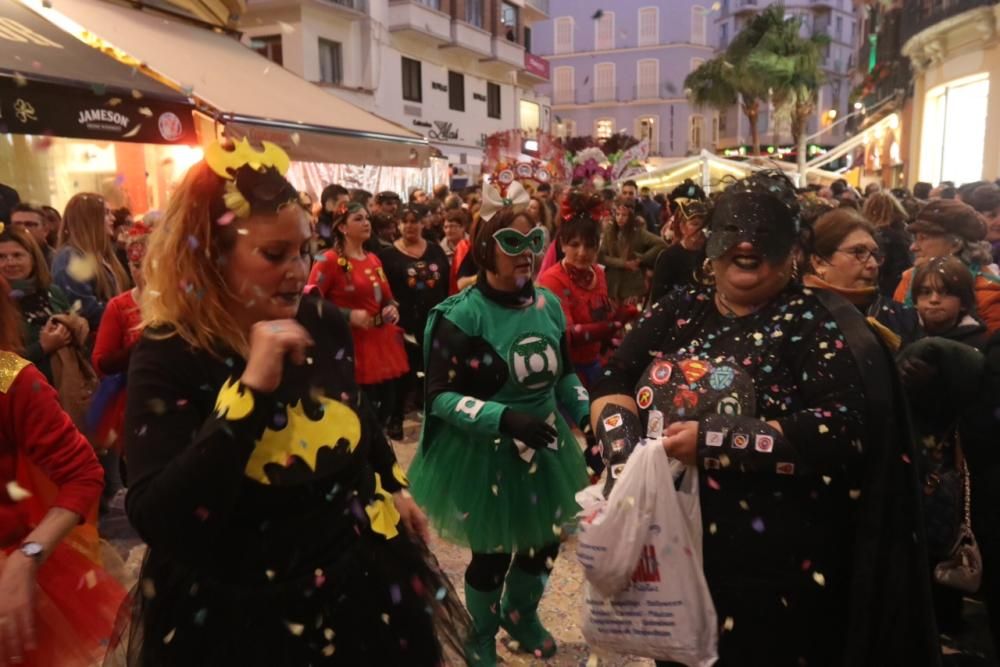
{"x": 417, "y": 270}
{"x": 845, "y": 259}
{"x": 498, "y": 467}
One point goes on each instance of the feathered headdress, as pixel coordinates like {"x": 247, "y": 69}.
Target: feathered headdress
{"x": 579, "y": 203}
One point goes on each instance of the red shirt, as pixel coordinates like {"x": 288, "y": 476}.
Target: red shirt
{"x": 119, "y": 330}
{"x": 34, "y": 425}
{"x": 589, "y": 316}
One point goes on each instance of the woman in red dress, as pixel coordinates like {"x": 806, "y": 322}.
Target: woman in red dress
{"x": 354, "y": 281}
{"x": 57, "y": 607}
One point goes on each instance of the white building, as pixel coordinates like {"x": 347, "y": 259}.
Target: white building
{"x": 452, "y": 70}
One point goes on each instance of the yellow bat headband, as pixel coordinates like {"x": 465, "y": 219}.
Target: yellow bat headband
{"x": 226, "y": 162}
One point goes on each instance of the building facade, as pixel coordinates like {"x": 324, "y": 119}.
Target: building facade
{"x": 452, "y": 70}
{"x": 954, "y": 50}
{"x": 621, "y": 68}
{"x": 839, "y": 19}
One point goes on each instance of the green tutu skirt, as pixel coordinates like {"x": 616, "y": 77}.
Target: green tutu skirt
{"x": 480, "y": 494}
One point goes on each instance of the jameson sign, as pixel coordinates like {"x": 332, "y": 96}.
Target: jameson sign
{"x": 83, "y": 113}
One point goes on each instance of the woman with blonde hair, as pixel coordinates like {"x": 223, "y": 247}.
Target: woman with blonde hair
{"x": 85, "y": 266}
{"x": 278, "y": 525}
{"x": 889, "y": 217}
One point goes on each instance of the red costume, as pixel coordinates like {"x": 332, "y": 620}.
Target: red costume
{"x": 590, "y": 319}
{"x": 41, "y": 449}
{"x": 360, "y": 284}
{"x": 117, "y": 335}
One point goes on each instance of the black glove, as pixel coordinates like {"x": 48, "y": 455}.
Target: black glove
{"x": 618, "y": 431}
{"x": 530, "y": 430}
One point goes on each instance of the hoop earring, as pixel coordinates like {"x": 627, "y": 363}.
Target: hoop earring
{"x": 707, "y": 273}
{"x": 795, "y": 269}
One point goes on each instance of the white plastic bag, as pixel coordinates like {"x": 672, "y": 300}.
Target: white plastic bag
{"x": 660, "y": 607}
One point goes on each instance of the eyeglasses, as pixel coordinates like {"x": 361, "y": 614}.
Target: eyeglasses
{"x": 513, "y": 242}
{"x": 861, "y": 253}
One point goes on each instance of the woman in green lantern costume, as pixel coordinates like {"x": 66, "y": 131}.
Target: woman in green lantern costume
{"x": 498, "y": 467}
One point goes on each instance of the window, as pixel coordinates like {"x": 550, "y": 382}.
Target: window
{"x": 715, "y": 129}
{"x": 648, "y": 128}
{"x": 723, "y": 35}
{"x": 647, "y": 78}
{"x": 268, "y": 46}
{"x": 527, "y": 39}
{"x": 604, "y": 82}
{"x": 331, "y": 68}
{"x": 696, "y": 63}
{"x": 566, "y": 128}
{"x": 604, "y": 128}
{"x": 456, "y": 91}
{"x": 954, "y": 131}
{"x": 722, "y": 122}
{"x": 531, "y": 115}
{"x": 562, "y": 85}
{"x": 649, "y": 26}
{"x": 563, "y": 34}
{"x": 699, "y": 25}
{"x": 695, "y": 133}
{"x": 493, "y": 100}
{"x": 412, "y": 88}
{"x": 508, "y": 18}
{"x": 474, "y": 12}
{"x": 839, "y": 29}
{"x": 433, "y": 4}
{"x": 604, "y": 32}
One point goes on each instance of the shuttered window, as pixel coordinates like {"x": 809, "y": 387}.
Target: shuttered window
{"x": 563, "y": 38}
{"x": 604, "y": 32}
{"x": 647, "y": 78}
{"x": 649, "y": 26}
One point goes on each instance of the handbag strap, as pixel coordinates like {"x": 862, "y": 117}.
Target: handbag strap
{"x": 966, "y": 484}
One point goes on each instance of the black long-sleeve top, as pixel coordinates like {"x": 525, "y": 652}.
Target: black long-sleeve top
{"x": 241, "y": 486}
{"x": 418, "y": 283}
{"x": 777, "y": 506}
{"x": 675, "y": 267}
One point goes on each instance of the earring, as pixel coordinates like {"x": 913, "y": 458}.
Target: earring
{"x": 707, "y": 276}
{"x": 795, "y": 269}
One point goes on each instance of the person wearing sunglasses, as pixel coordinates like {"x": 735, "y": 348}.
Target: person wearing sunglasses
{"x": 498, "y": 468}
{"x": 846, "y": 259}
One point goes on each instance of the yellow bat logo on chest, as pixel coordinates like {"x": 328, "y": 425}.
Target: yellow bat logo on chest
{"x": 303, "y": 437}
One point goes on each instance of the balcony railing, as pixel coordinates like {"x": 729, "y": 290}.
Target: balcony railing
{"x": 622, "y": 93}
{"x": 356, "y": 5}
{"x": 925, "y": 13}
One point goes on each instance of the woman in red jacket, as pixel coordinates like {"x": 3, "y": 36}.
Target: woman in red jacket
{"x": 354, "y": 281}
{"x": 56, "y": 606}
{"x": 579, "y": 282}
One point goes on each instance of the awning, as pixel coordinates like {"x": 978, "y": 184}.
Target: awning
{"x": 252, "y": 96}
{"x": 53, "y": 84}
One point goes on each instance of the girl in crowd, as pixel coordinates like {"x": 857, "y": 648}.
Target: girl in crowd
{"x": 85, "y": 266}
{"x": 889, "y": 217}
{"x": 498, "y": 467}
{"x": 23, "y": 265}
{"x": 947, "y": 227}
{"x": 677, "y": 266}
{"x": 418, "y": 275}
{"x": 279, "y": 532}
{"x": 944, "y": 293}
{"x": 627, "y": 250}
{"x": 541, "y": 216}
{"x": 354, "y": 281}
{"x": 57, "y": 607}
{"x": 456, "y": 226}
{"x": 845, "y": 258}
{"x": 784, "y": 400}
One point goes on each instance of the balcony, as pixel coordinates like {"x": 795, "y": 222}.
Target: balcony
{"x": 927, "y": 13}
{"x": 467, "y": 37}
{"x": 619, "y": 94}
{"x": 744, "y": 6}
{"x": 507, "y": 52}
{"x": 354, "y": 5}
{"x": 417, "y": 18}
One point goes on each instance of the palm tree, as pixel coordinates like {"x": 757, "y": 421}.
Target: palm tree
{"x": 792, "y": 64}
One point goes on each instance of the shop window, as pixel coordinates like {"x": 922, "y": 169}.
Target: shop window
{"x": 604, "y": 128}
{"x": 648, "y": 128}
{"x": 699, "y": 25}
{"x": 456, "y": 91}
{"x": 562, "y": 85}
{"x": 604, "y": 32}
{"x": 331, "y": 68}
{"x": 268, "y": 46}
{"x": 474, "y": 12}
{"x": 412, "y": 88}
{"x": 563, "y": 38}
{"x": 566, "y": 128}
{"x": 649, "y": 26}
{"x": 531, "y": 115}
{"x": 493, "y": 100}
{"x": 954, "y": 131}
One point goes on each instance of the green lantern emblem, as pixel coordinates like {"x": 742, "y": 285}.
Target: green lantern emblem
{"x": 534, "y": 361}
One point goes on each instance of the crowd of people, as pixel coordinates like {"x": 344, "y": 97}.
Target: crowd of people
{"x": 241, "y": 363}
